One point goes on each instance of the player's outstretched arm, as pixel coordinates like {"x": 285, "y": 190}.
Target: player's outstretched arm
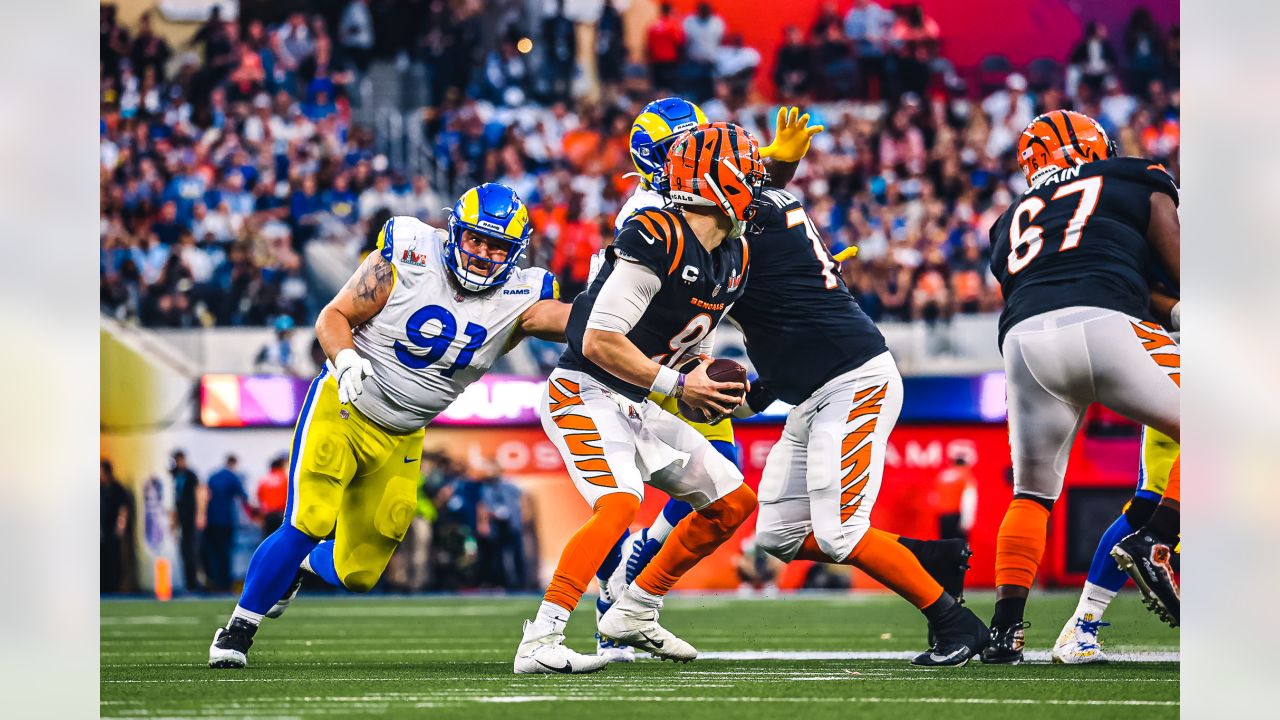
{"x": 364, "y": 296}
{"x": 546, "y": 319}
{"x": 790, "y": 144}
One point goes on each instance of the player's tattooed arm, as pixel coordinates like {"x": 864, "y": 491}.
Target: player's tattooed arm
{"x": 546, "y": 319}
{"x": 1165, "y": 235}
{"x": 363, "y": 296}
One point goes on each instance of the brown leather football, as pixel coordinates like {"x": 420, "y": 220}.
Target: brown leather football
{"x": 720, "y": 370}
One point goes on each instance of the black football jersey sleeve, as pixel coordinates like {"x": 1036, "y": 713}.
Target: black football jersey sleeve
{"x": 1079, "y": 239}
{"x": 801, "y": 325}
{"x": 648, "y": 239}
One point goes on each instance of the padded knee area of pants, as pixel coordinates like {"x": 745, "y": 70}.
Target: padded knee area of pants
{"x": 396, "y": 509}
{"x": 316, "y": 519}
{"x": 782, "y": 542}
{"x": 361, "y": 581}
{"x": 361, "y": 568}
{"x": 730, "y": 511}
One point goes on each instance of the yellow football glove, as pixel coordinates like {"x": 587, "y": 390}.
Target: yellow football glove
{"x": 792, "y": 139}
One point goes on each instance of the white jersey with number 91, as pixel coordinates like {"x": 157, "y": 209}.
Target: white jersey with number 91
{"x": 433, "y": 339}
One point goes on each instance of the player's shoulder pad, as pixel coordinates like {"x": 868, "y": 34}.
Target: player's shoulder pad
{"x": 532, "y": 283}
{"x": 653, "y": 237}
{"x": 407, "y": 241}
{"x": 1144, "y": 172}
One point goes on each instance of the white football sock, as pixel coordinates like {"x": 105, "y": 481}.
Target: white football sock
{"x": 644, "y": 597}
{"x": 551, "y": 617}
{"x": 253, "y": 618}
{"x": 1094, "y": 600}
{"x": 660, "y": 529}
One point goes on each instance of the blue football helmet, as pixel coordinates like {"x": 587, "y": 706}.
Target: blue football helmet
{"x": 495, "y": 212}
{"x": 654, "y": 130}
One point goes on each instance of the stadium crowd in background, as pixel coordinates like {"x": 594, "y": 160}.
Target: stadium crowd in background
{"x": 472, "y": 529}
{"x": 221, "y": 162}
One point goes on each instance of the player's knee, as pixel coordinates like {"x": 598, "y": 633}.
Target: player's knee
{"x": 316, "y": 519}
{"x": 839, "y": 544}
{"x": 393, "y": 516}
{"x": 781, "y": 542}
{"x": 734, "y": 509}
{"x": 617, "y": 510}
{"x": 361, "y": 581}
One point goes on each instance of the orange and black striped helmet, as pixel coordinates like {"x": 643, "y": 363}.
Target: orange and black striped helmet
{"x": 1062, "y": 139}
{"x": 717, "y": 165}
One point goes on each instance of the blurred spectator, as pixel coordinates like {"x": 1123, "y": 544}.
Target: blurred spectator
{"x": 560, "y": 42}
{"x": 836, "y": 69}
{"x": 1116, "y": 106}
{"x": 915, "y": 37}
{"x": 664, "y": 41}
{"x": 115, "y": 508}
{"x": 1010, "y": 110}
{"x": 868, "y": 25}
{"x": 226, "y": 493}
{"x": 277, "y": 356}
{"x": 1092, "y": 60}
{"x": 499, "y": 530}
{"x": 273, "y": 495}
{"x": 736, "y": 65}
{"x": 188, "y": 517}
{"x": 355, "y": 33}
{"x": 610, "y": 45}
{"x": 955, "y": 496}
{"x": 792, "y": 66}
{"x": 579, "y": 239}
{"x": 703, "y": 33}
{"x": 1144, "y": 45}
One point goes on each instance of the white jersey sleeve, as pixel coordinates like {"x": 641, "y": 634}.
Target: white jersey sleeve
{"x": 641, "y": 199}
{"x": 433, "y": 339}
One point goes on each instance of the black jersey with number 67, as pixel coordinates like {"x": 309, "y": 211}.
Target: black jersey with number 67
{"x": 698, "y": 287}
{"x": 802, "y": 327}
{"x": 1079, "y": 238}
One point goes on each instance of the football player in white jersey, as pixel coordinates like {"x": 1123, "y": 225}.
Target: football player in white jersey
{"x": 652, "y": 134}
{"x": 424, "y": 316}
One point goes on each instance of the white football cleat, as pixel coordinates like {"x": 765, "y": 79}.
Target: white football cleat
{"x": 1078, "y": 644}
{"x": 613, "y": 651}
{"x": 543, "y": 652}
{"x": 632, "y": 622}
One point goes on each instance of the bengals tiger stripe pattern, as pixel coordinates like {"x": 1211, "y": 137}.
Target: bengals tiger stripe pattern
{"x": 1162, "y": 349}
{"x": 580, "y": 433}
{"x": 855, "y": 449}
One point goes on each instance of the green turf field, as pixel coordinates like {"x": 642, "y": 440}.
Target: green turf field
{"x": 352, "y": 657}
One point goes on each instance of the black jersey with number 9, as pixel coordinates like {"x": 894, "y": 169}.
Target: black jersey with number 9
{"x": 1079, "y": 238}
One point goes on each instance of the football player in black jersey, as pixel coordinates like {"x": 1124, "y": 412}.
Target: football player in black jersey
{"x": 1073, "y": 255}
{"x": 668, "y": 279}
{"x": 814, "y": 348}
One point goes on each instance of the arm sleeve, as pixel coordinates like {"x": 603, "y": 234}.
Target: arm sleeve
{"x": 624, "y": 297}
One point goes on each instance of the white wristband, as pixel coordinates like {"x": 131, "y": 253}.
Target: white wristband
{"x": 665, "y": 383}
{"x": 1175, "y": 317}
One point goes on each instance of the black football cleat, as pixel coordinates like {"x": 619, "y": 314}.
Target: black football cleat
{"x": 959, "y": 635}
{"x": 946, "y": 561}
{"x": 230, "y": 648}
{"x": 1006, "y": 644}
{"x": 1148, "y": 561}
{"x": 283, "y": 603}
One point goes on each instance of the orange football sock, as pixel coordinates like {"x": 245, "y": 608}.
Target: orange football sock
{"x": 588, "y": 547}
{"x": 1020, "y": 542}
{"x": 1173, "y": 492}
{"x": 695, "y": 537}
{"x": 880, "y": 555}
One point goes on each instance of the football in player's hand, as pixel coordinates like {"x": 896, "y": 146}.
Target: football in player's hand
{"x": 720, "y": 370}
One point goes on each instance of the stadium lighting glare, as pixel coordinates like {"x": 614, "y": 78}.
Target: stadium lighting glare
{"x": 524, "y": 45}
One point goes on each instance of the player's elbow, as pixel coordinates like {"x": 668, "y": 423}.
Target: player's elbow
{"x": 598, "y": 344}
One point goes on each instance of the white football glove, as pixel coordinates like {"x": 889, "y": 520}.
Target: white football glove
{"x": 351, "y": 370}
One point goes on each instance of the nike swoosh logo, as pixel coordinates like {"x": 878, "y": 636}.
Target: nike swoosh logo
{"x": 568, "y": 667}
{"x": 409, "y": 460}
{"x": 655, "y": 643}
{"x": 647, "y": 238}
{"x": 943, "y": 658}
